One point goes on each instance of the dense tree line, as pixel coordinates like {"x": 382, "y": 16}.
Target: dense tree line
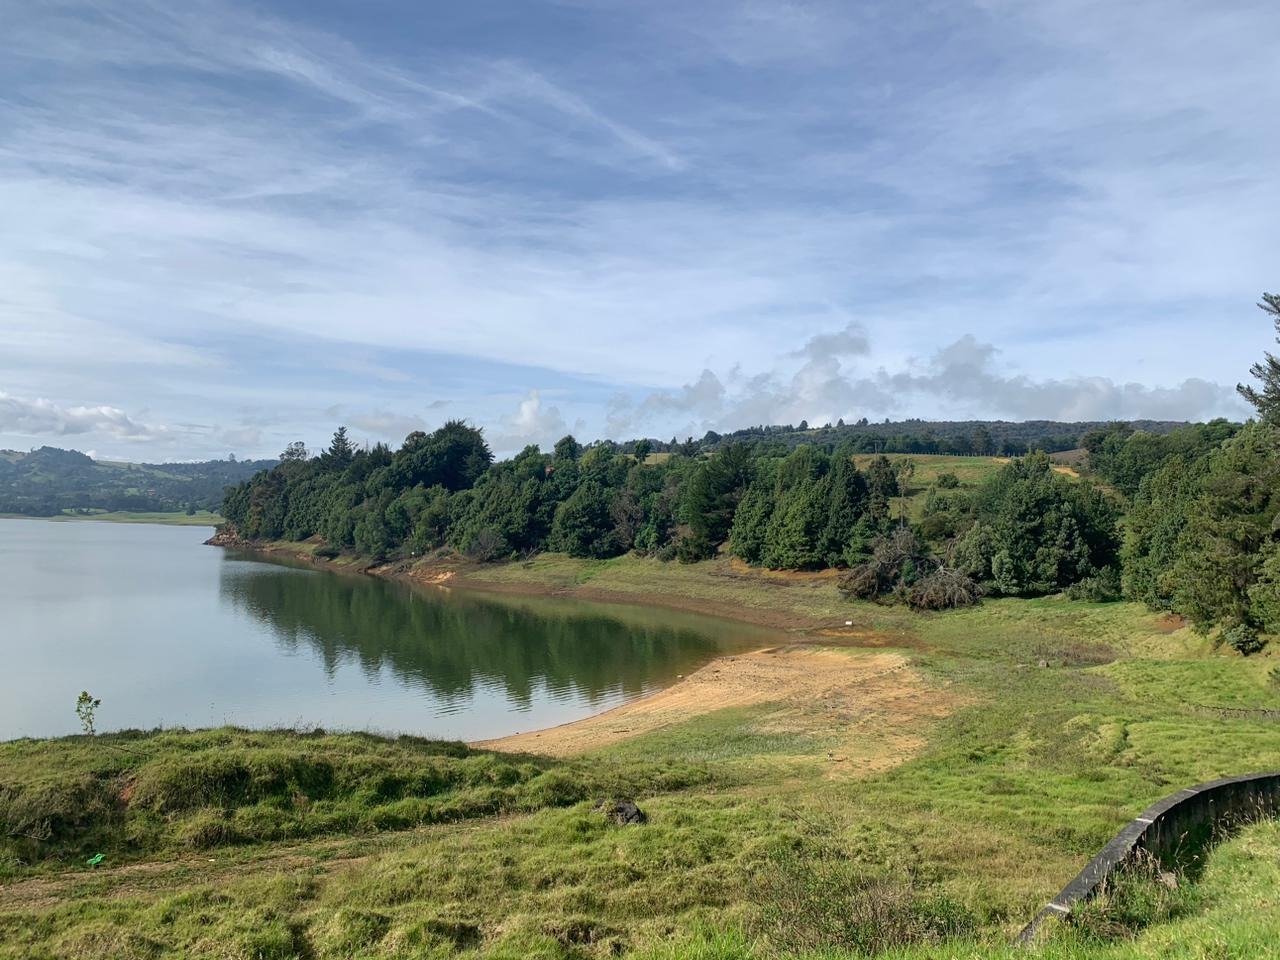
{"x": 1182, "y": 517}
{"x": 947, "y": 437}
{"x": 1028, "y": 531}
{"x": 1202, "y": 526}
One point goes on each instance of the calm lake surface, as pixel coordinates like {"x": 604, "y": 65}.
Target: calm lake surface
{"x": 168, "y": 632}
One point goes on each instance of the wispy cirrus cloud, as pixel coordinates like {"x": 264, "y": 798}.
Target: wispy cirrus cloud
{"x": 615, "y": 200}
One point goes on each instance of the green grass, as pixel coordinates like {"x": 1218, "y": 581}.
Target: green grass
{"x": 926, "y": 468}
{"x": 235, "y": 844}
{"x": 201, "y": 518}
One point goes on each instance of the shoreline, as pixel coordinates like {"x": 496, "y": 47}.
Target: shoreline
{"x": 801, "y": 689}
{"x": 457, "y": 573}
{"x": 802, "y": 664}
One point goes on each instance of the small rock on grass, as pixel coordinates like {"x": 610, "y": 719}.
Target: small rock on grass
{"x": 623, "y": 812}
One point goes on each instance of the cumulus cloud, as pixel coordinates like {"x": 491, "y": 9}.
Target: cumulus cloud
{"x": 851, "y": 341}
{"x": 966, "y": 372}
{"x": 963, "y": 379}
{"x": 533, "y": 422}
{"x": 42, "y": 417}
{"x": 388, "y": 426}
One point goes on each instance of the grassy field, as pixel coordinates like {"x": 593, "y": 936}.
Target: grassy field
{"x": 761, "y": 841}
{"x": 201, "y": 518}
{"x": 924, "y": 473}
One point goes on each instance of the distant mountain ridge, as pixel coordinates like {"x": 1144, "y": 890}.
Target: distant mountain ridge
{"x": 49, "y": 481}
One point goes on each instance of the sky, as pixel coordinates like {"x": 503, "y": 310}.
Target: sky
{"x": 226, "y": 225}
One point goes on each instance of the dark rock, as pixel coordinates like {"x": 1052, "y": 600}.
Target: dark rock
{"x": 624, "y": 813}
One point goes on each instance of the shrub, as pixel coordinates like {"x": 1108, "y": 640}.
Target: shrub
{"x": 948, "y": 481}
{"x": 327, "y": 552}
{"x": 944, "y": 589}
{"x": 1243, "y": 638}
{"x": 487, "y": 546}
{"x": 1102, "y": 587}
{"x": 859, "y": 583}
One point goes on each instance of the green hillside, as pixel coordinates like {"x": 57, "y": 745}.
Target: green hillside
{"x": 48, "y": 481}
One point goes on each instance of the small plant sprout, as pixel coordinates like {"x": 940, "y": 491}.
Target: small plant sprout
{"x": 86, "y": 706}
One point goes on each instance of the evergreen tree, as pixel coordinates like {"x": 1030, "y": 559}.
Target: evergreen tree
{"x": 583, "y": 525}
{"x": 842, "y": 541}
{"x": 341, "y": 450}
{"x": 1266, "y": 397}
{"x": 709, "y": 499}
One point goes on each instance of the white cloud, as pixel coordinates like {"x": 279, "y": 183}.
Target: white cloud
{"x": 41, "y": 417}
{"x": 962, "y": 380}
{"x": 384, "y": 425}
{"x": 188, "y": 186}
{"x": 533, "y": 422}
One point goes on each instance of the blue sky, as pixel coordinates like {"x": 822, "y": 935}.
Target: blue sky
{"x": 226, "y": 225}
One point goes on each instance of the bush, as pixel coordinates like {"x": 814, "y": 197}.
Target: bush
{"x": 948, "y": 481}
{"x": 859, "y": 583}
{"x": 1243, "y": 639}
{"x": 487, "y": 546}
{"x": 944, "y": 589}
{"x": 327, "y": 552}
{"x": 1102, "y": 587}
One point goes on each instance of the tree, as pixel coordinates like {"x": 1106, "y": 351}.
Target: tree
{"x": 1036, "y": 531}
{"x": 341, "y": 450}
{"x": 1222, "y": 551}
{"x": 453, "y": 457}
{"x": 642, "y": 450}
{"x": 844, "y": 540}
{"x": 567, "y": 448}
{"x": 294, "y": 452}
{"x": 982, "y": 444}
{"x": 710, "y": 498}
{"x": 584, "y": 524}
{"x": 1267, "y": 371}
{"x": 882, "y": 486}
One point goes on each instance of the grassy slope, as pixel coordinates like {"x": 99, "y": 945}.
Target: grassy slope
{"x": 970, "y": 471}
{"x": 1003, "y": 803}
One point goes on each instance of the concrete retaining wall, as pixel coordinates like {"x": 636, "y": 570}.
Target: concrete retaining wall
{"x": 1171, "y": 830}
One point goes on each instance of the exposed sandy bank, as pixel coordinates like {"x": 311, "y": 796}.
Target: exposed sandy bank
{"x": 868, "y": 700}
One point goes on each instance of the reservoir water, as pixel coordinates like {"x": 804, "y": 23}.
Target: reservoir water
{"x": 168, "y": 632}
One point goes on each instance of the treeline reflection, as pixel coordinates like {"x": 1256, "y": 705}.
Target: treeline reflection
{"x": 449, "y": 641}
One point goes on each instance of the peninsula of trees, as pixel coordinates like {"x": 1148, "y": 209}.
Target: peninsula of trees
{"x": 1184, "y": 519}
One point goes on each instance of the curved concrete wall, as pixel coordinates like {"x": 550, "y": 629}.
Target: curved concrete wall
{"x": 1177, "y": 825}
